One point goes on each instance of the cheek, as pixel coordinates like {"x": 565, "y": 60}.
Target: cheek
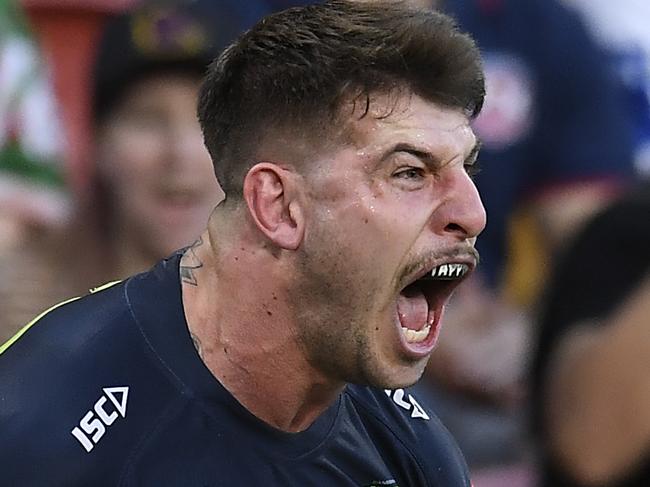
{"x": 375, "y": 228}
{"x": 130, "y": 157}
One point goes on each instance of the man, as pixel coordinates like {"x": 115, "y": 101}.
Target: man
{"x": 340, "y": 135}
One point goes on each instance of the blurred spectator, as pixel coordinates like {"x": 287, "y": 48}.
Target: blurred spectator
{"x": 31, "y": 174}
{"x": 545, "y": 141}
{"x": 591, "y": 388}
{"x": 557, "y": 145}
{"x": 154, "y": 185}
{"x": 621, "y": 28}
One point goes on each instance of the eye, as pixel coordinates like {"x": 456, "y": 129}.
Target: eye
{"x": 409, "y": 173}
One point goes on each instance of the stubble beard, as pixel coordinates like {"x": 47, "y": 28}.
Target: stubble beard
{"x": 330, "y": 325}
{"x": 337, "y": 306}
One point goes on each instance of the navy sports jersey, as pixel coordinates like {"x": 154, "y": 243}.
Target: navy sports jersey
{"x": 108, "y": 390}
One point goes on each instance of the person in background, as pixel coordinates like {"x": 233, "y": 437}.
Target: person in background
{"x": 591, "y": 391}
{"x": 621, "y": 29}
{"x": 152, "y": 172}
{"x": 591, "y": 397}
{"x": 32, "y": 188}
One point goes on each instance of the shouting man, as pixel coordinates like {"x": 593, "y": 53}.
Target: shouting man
{"x": 275, "y": 350}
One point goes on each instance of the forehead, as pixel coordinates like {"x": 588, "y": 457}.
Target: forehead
{"x": 389, "y": 119}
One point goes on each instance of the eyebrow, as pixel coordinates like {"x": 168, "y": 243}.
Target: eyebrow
{"x": 429, "y": 158}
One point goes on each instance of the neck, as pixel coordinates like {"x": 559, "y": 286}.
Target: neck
{"x": 246, "y": 335}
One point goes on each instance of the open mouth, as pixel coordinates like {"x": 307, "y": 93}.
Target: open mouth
{"x": 420, "y": 303}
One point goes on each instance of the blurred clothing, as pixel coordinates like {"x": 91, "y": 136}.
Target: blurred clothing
{"x": 554, "y": 115}
{"x": 247, "y": 12}
{"x": 595, "y": 275}
{"x": 621, "y": 28}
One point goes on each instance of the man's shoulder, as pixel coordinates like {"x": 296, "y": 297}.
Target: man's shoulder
{"x": 414, "y": 428}
{"x": 78, "y": 389}
{"x": 108, "y": 317}
{"x": 67, "y": 329}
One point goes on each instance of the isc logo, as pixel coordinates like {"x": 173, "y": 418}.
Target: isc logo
{"x": 93, "y": 425}
{"x": 412, "y": 405}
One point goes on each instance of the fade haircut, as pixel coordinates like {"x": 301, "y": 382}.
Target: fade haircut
{"x": 292, "y": 71}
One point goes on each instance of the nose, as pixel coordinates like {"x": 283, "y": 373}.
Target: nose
{"x": 461, "y": 213}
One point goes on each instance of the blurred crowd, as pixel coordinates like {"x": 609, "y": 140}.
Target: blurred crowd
{"x": 539, "y": 373}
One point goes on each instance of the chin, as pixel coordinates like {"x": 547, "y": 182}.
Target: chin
{"x": 396, "y": 377}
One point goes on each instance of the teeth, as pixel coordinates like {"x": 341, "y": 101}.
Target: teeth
{"x": 416, "y": 336}
{"x": 449, "y": 271}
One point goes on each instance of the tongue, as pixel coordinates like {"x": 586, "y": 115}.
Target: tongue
{"x": 412, "y": 308}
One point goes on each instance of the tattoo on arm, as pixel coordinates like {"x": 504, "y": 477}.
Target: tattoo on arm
{"x": 197, "y": 344}
{"x": 190, "y": 263}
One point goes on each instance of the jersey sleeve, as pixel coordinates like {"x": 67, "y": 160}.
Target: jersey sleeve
{"x": 73, "y": 405}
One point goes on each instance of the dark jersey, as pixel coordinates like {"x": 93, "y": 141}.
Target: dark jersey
{"x": 109, "y": 390}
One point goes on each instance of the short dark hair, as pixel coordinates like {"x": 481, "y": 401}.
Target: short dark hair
{"x": 293, "y": 69}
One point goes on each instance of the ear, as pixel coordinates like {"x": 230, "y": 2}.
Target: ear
{"x": 272, "y": 195}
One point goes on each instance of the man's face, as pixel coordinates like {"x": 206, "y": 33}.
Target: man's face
{"x": 158, "y": 173}
{"x": 384, "y": 210}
